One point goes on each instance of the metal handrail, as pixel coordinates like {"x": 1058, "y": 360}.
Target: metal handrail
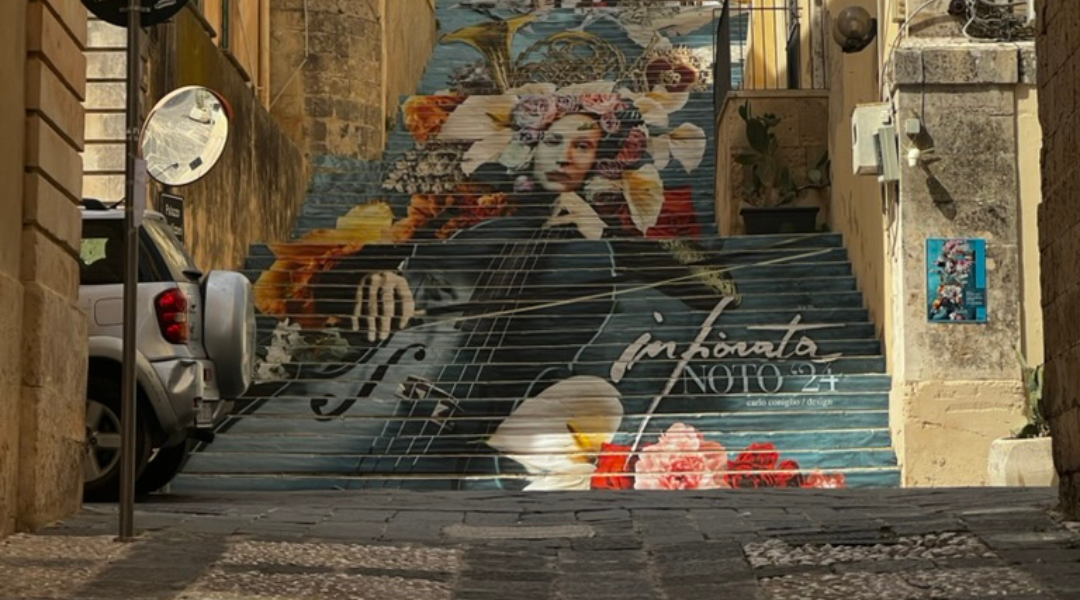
{"x": 737, "y": 24}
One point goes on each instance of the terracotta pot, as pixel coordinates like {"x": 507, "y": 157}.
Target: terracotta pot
{"x": 1022, "y": 463}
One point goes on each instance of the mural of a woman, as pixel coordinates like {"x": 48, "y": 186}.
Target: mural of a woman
{"x": 504, "y": 307}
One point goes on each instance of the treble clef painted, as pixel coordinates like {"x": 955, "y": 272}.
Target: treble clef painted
{"x": 318, "y": 404}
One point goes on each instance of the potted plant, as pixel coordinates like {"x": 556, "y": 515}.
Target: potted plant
{"x": 770, "y": 188}
{"x": 1025, "y": 459}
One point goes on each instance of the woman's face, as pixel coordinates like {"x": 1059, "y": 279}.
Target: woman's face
{"x": 566, "y": 155}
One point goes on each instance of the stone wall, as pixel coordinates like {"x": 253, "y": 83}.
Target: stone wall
{"x": 957, "y": 386}
{"x": 856, "y": 209}
{"x": 256, "y": 190}
{"x": 1058, "y": 52}
{"x": 803, "y": 137}
{"x": 42, "y": 329}
{"x": 334, "y": 81}
{"x": 410, "y": 32}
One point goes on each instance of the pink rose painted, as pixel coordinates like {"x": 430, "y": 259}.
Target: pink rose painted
{"x": 600, "y": 104}
{"x": 681, "y": 460}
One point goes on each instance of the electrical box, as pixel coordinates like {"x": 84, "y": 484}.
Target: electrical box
{"x": 866, "y": 120}
{"x": 888, "y": 154}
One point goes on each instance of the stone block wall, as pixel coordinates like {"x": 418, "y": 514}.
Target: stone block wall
{"x": 957, "y": 386}
{"x": 803, "y": 138}
{"x": 1058, "y": 51}
{"x": 255, "y": 191}
{"x": 334, "y": 82}
{"x": 42, "y": 328}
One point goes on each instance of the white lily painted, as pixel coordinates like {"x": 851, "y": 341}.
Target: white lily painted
{"x": 652, "y": 112}
{"x": 516, "y": 156}
{"x": 671, "y": 101}
{"x": 645, "y": 196}
{"x": 660, "y": 150}
{"x": 688, "y": 145}
{"x": 477, "y": 118}
{"x": 486, "y": 150}
{"x": 555, "y": 433}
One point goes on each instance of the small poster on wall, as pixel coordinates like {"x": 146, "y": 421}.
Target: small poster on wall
{"x": 956, "y": 280}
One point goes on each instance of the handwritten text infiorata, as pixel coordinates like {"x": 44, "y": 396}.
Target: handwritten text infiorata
{"x": 702, "y": 348}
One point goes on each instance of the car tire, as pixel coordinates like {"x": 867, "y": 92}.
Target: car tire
{"x": 164, "y": 467}
{"x": 101, "y": 460}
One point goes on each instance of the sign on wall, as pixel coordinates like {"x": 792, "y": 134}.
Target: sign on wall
{"x": 172, "y": 206}
{"x": 956, "y": 280}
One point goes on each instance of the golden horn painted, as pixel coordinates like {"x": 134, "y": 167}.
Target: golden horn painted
{"x": 494, "y": 40}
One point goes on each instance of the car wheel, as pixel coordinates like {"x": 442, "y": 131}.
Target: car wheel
{"x": 101, "y": 462}
{"x": 163, "y": 467}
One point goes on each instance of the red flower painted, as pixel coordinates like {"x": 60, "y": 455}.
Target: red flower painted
{"x": 751, "y": 467}
{"x": 677, "y": 217}
{"x": 785, "y": 475}
{"x": 817, "y": 479}
{"x": 613, "y": 468}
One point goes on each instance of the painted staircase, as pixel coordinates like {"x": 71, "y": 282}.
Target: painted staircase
{"x": 658, "y": 356}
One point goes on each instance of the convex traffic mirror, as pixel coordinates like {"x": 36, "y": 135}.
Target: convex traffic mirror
{"x": 185, "y": 135}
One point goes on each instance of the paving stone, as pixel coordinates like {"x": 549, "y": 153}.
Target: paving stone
{"x": 352, "y": 515}
{"x": 356, "y": 532}
{"x": 675, "y": 546}
{"x": 615, "y": 514}
{"x": 623, "y": 542}
{"x": 730, "y": 591}
{"x": 584, "y": 585}
{"x": 893, "y": 566}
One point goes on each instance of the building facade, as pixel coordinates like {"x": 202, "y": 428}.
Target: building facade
{"x": 42, "y": 329}
{"x": 1059, "y": 56}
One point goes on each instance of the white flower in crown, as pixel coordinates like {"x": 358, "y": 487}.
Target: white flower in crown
{"x": 507, "y": 129}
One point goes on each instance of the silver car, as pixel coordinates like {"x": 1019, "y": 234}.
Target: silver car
{"x": 194, "y": 354}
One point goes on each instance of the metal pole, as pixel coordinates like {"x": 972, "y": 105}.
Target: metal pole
{"x": 131, "y": 274}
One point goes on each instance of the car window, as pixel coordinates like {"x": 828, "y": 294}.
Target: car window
{"x": 172, "y": 251}
{"x": 101, "y": 255}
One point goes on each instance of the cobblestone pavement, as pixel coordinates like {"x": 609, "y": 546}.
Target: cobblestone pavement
{"x": 939, "y": 544}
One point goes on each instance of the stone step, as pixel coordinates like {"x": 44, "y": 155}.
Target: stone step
{"x": 445, "y": 461}
{"x": 769, "y": 272}
{"x": 496, "y": 371}
{"x": 711, "y": 425}
{"x": 807, "y": 241}
{"x": 647, "y": 379}
{"x": 790, "y": 403}
{"x": 843, "y": 324}
{"x": 193, "y": 484}
{"x": 330, "y": 443}
{"x": 461, "y": 256}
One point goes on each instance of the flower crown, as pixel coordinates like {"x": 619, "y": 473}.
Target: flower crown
{"x": 506, "y": 129}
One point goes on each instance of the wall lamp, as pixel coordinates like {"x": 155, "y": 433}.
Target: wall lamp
{"x": 854, "y": 29}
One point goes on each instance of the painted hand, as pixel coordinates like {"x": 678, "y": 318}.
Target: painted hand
{"x": 572, "y": 209}
{"x": 378, "y": 298}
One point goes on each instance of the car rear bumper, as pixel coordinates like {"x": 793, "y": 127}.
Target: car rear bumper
{"x": 191, "y": 387}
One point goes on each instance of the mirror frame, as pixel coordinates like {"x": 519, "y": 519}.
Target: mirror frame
{"x": 226, "y": 108}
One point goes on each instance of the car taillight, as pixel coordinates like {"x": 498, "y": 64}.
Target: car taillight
{"x": 171, "y": 306}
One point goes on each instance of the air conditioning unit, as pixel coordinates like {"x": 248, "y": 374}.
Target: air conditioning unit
{"x": 868, "y": 152}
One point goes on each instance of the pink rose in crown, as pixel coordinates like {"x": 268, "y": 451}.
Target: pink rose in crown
{"x": 681, "y": 460}
{"x": 535, "y": 112}
{"x": 600, "y": 104}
